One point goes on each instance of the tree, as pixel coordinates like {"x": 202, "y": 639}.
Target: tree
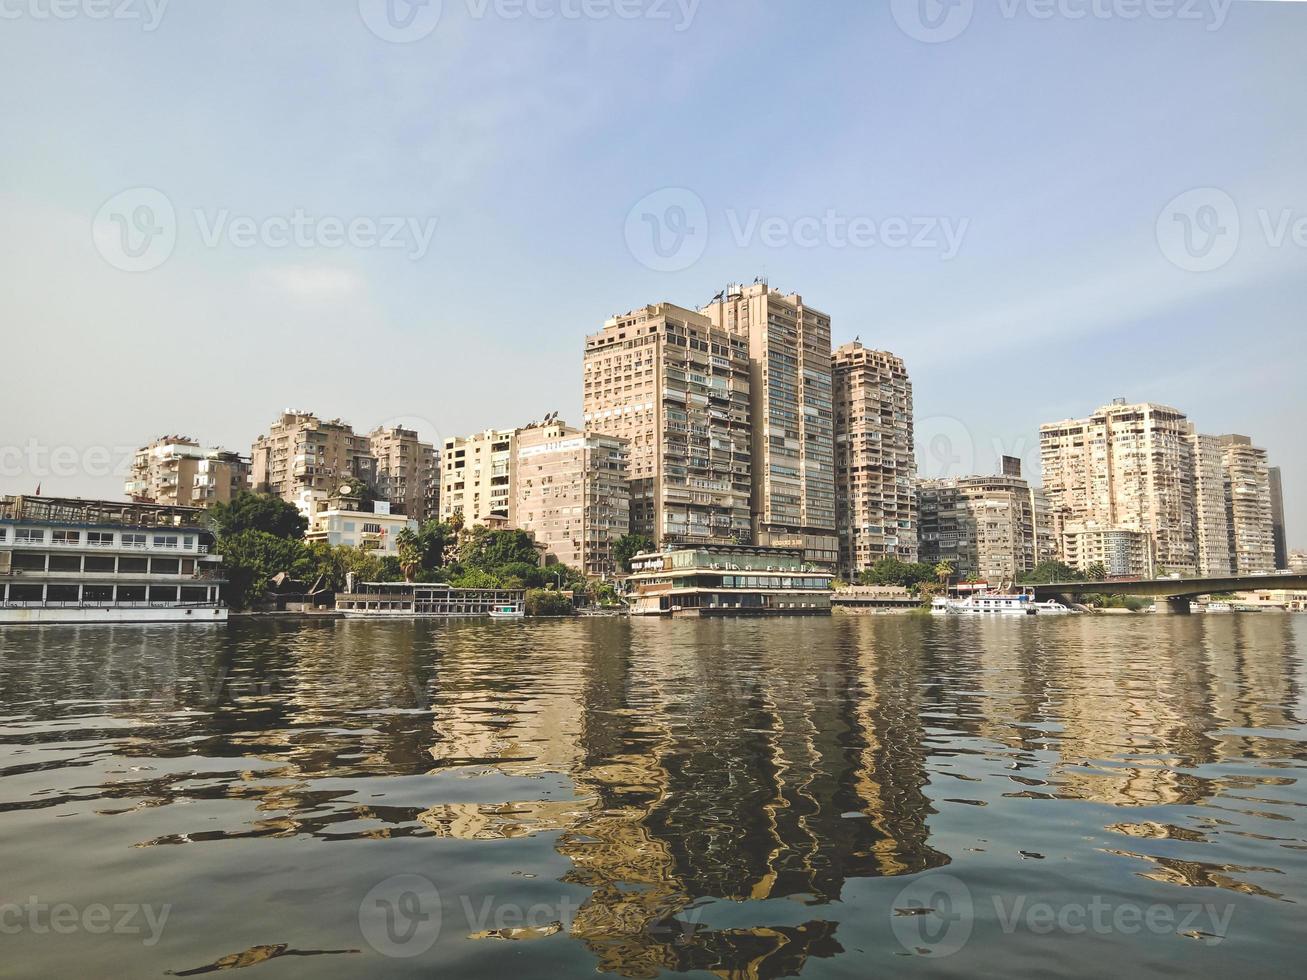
{"x": 258, "y": 512}
{"x": 410, "y": 554}
{"x": 1097, "y": 572}
{"x": 549, "y": 602}
{"x": 492, "y": 550}
{"x": 475, "y": 578}
{"x": 1051, "y": 571}
{"x": 944, "y": 571}
{"x": 628, "y": 546}
{"x": 252, "y": 557}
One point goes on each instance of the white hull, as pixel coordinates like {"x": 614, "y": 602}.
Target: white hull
{"x": 50, "y": 615}
{"x": 998, "y": 606}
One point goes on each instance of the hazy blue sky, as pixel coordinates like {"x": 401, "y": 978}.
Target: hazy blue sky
{"x": 1049, "y": 147}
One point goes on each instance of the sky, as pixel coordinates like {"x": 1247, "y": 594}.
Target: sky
{"x": 392, "y": 213}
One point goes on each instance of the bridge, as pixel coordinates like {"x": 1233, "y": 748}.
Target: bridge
{"x": 1176, "y": 591}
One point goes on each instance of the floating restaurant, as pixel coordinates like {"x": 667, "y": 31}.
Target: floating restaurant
{"x": 728, "y": 580}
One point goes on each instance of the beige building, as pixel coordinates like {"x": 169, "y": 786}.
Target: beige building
{"x": 476, "y": 477}
{"x": 677, "y": 388}
{"x": 987, "y": 527}
{"x": 176, "y": 471}
{"x": 1298, "y": 562}
{"x": 306, "y": 461}
{"x": 1211, "y": 522}
{"x": 1126, "y": 467}
{"x": 875, "y": 464}
{"x": 408, "y": 472}
{"x": 573, "y": 494}
{"x": 1123, "y": 552}
{"x": 377, "y": 531}
{"x": 1248, "y": 506}
{"x": 793, "y": 447}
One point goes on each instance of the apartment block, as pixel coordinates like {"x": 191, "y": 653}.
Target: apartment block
{"x": 677, "y": 388}
{"x": 377, "y": 530}
{"x": 1211, "y": 522}
{"x": 1248, "y": 506}
{"x": 875, "y": 464}
{"x": 792, "y": 409}
{"x": 306, "y": 461}
{"x": 986, "y": 527}
{"x": 1278, "y": 531}
{"x": 178, "y": 472}
{"x": 573, "y": 494}
{"x": 476, "y": 478}
{"x": 1127, "y": 467}
{"x": 1123, "y": 552}
{"x": 408, "y": 472}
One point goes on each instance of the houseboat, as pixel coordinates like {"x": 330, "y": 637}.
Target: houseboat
{"x": 67, "y": 560}
{"x": 998, "y": 604}
{"x": 416, "y": 600}
{"x": 728, "y": 580}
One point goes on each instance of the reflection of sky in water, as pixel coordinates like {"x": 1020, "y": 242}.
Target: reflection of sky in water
{"x": 739, "y": 798}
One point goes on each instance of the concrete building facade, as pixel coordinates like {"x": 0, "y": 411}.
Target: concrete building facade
{"x": 986, "y": 527}
{"x": 791, "y": 405}
{"x": 1128, "y": 467}
{"x": 875, "y": 462}
{"x": 573, "y": 494}
{"x": 376, "y": 531}
{"x": 476, "y": 477}
{"x": 1122, "y": 552}
{"x": 1278, "y": 531}
{"x": 677, "y": 388}
{"x": 306, "y": 461}
{"x": 1248, "y": 506}
{"x": 1211, "y": 523}
{"x": 178, "y": 472}
{"x": 408, "y": 472}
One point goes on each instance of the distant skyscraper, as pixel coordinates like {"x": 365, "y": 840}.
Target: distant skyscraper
{"x": 875, "y": 463}
{"x": 677, "y": 387}
{"x": 1126, "y": 467}
{"x": 307, "y": 461}
{"x": 1277, "y": 520}
{"x": 1211, "y": 521}
{"x": 1248, "y": 506}
{"x": 793, "y": 454}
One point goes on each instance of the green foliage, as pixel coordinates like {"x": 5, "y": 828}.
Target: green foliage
{"x": 1051, "y": 571}
{"x": 628, "y": 546}
{"x": 891, "y": 571}
{"x": 258, "y": 512}
{"x": 488, "y": 549}
{"x": 251, "y": 557}
{"x": 547, "y": 602}
{"x": 1097, "y": 572}
{"x": 474, "y": 578}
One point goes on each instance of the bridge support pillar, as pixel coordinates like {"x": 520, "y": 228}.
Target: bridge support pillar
{"x": 1176, "y": 605}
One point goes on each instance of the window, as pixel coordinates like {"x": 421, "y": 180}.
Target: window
{"x": 29, "y": 535}
{"x": 163, "y": 593}
{"x": 163, "y": 566}
{"x": 102, "y": 539}
{"x": 97, "y": 593}
{"x": 188, "y": 542}
{"x": 371, "y": 528}
{"x": 131, "y": 593}
{"x": 132, "y": 564}
{"x": 62, "y": 593}
{"x": 99, "y": 563}
{"x": 67, "y": 537}
{"x": 165, "y": 541}
{"x": 26, "y": 562}
{"x": 65, "y": 563}
{"x": 132, "y": 540}
{"x": 4, "y": 534}
{"x": 25, "y": 593}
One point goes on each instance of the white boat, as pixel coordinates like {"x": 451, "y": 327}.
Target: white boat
{"x": 998, "y": 604}
{"x": 511, "y": 611}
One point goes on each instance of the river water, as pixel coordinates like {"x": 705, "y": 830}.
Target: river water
{"x": 843, "y": 797}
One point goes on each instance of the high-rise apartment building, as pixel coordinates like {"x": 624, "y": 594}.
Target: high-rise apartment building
{"x": 1121, "y": 552}
{"x": 875, "y": 463}
{"x": 677, "y": 388}
{"x": 989, "y": 527}
{"x": 176, "y": 471}
{"x": 1211, "y": 523}
{"x": 307, "y": 461}
{"x": 1129, "y": 467}
{"x": 791, "y": 404}
{"x": 573, "y": 494}
{"x": 1248, "y": 506}
{"x": 1278, "y": 531}
{"x": 476, "y": 477}
{"x": 408, "y": 473}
